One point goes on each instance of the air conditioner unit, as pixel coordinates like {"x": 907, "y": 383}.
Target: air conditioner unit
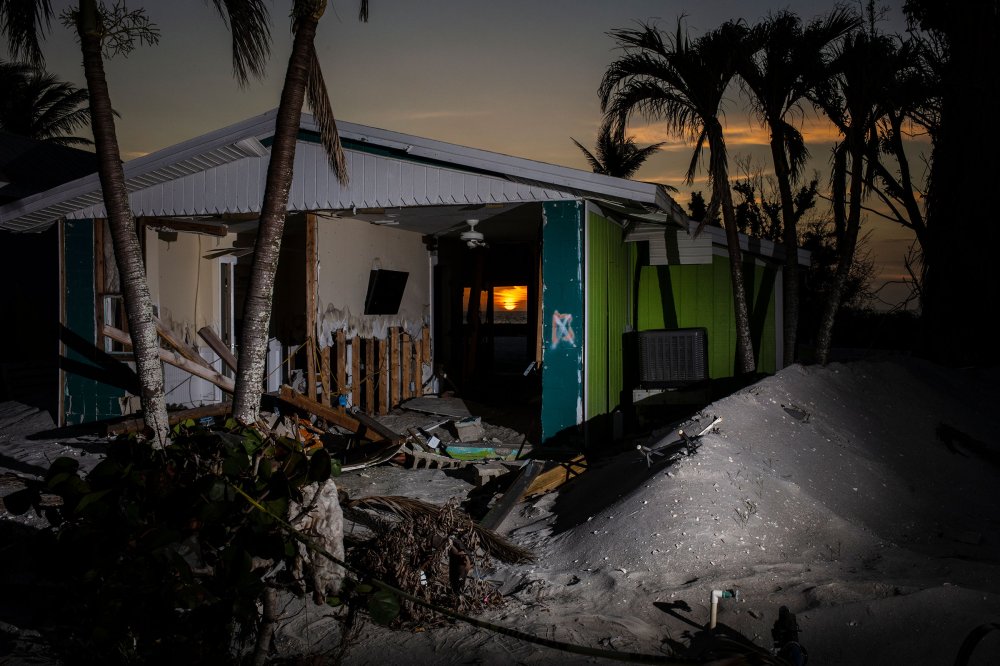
{"x": 670, "y": 358}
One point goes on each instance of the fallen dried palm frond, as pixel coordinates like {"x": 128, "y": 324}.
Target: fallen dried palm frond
{"x": 410, "y": 509}
{"x": 429, "y": 552}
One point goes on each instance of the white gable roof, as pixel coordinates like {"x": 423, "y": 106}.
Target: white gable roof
{"x": 224, "y": 171}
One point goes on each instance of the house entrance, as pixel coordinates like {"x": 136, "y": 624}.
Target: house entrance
{"x": 486, "y": 313}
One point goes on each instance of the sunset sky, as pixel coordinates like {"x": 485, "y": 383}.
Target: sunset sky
{"x": 517, "y": 77}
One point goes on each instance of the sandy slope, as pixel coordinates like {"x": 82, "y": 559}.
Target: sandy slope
{"x": 854, "y": 514}
{"x": 823, "y": 489}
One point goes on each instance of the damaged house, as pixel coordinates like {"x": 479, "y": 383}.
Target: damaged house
{"x": 438, "y": 267}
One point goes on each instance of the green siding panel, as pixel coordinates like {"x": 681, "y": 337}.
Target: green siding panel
{"x": 609, "y": 271}
{"x": 682, "y": 296}
{"x": 562, "y": 317}
{"x": 86, "y": 398}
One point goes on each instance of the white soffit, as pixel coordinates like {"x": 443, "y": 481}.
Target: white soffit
{"x": 223, "y": 171}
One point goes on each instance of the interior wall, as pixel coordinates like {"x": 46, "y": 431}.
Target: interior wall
{"x": 184, "y": 285}
{"x": 347, "y": 251}
{"x": 186, "y": 290}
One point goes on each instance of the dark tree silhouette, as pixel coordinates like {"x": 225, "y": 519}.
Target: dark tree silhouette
{"x": 961, "y": 287}
{"x": 683, "y": 83}
{"x": 38, "y": 105}
{"x": 616, "y": 155}
{"x": 777, "y": 78}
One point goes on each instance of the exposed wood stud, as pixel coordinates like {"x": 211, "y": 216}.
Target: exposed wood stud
{"x": 418, "y": 363}
{"x": 311, "y": 233}
{"x": 341, "y": 363}
{"x": 394, "y": 368}
{"x": 370, "y": 376}
{"x": 324, "y": 375}
{"x": 407, "y": 366}
{"x": 356, "y": 371}
{"x": 383, "y": 377}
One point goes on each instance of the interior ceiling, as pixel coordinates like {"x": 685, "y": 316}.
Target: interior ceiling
{"x": 505, "y": 223}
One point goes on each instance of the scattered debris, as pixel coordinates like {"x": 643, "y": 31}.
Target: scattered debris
{"x": 797, "y": 413}
{"x": 469, "y": 429}
{"x": 519, "y": 489}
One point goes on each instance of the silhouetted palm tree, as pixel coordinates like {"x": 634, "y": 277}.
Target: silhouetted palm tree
{"x": 23, "y": 22}
{"x": 303, "y": 78}
{"x": 683, "y": 84}
{"x": 616, "y": 156}
{"x": 777, "y": 78}
{"x": 38, "y": 105}
{"x": 863, "y": 70}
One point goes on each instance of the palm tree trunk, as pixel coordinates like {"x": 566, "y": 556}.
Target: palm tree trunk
{"x": 846, "y": 245}
{"x": 128, "y": 252}
{"x": 260, "y": 292}
{"x": 745, "y": 363}
{"x": 790, "y": 238}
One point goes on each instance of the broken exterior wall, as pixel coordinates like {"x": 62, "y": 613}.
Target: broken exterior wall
{"x": 186, "y": 290}
{"x": 347, "y": 251}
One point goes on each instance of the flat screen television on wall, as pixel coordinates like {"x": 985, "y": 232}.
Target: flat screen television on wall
{"x": 385, "y": 291}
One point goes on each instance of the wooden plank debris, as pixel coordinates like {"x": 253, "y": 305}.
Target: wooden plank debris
{"x": 182, "y": 347}
{"x": 357, "y": 423}
{"x": 557, "y": 475}
{"x": 175, "y": 359}
{"x": 173, "y": 418}
{"x": 522, "y": 484}
{"x": 216, "y": 344}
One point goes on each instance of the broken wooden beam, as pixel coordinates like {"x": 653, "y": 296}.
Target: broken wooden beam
{"x": 173, "y": 418}
{"x": 175, "y": 359}
{"x": 375, "y": 426}
{"x": 209, "y": 228}
{"x": 183, "y": 348}
{"x": 557, "y": 475}
{"x": 216, "y": 344}
{"x": 358, "y": 423}
{"x": 501, "y": 509}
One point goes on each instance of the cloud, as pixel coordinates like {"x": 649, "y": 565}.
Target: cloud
{"x": 441, "y": 115}
{"x": 743, "y": 133}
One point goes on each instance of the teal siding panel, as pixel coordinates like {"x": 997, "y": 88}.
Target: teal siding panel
{"x": 86, "y": 398}
{"x": 562, "y": 317}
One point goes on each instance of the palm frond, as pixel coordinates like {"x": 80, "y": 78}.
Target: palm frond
{"x": 408, "y": 508}
{"x": 319, "y": 101}
{"x": 36, "y": 104}
{"x": 594, "y": 163}
{"x": 24, "y": 23}
{"x": 250, "y": 25}
{"x": 795, "y": 148}
{"x": 363, "y": 11}
{"x": 699, "y": 146}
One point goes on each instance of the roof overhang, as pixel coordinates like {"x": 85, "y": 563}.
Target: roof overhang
{"x": 247, "y": 140}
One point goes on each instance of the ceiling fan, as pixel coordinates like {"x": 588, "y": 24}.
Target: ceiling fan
{"x": 473, "y": 238}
